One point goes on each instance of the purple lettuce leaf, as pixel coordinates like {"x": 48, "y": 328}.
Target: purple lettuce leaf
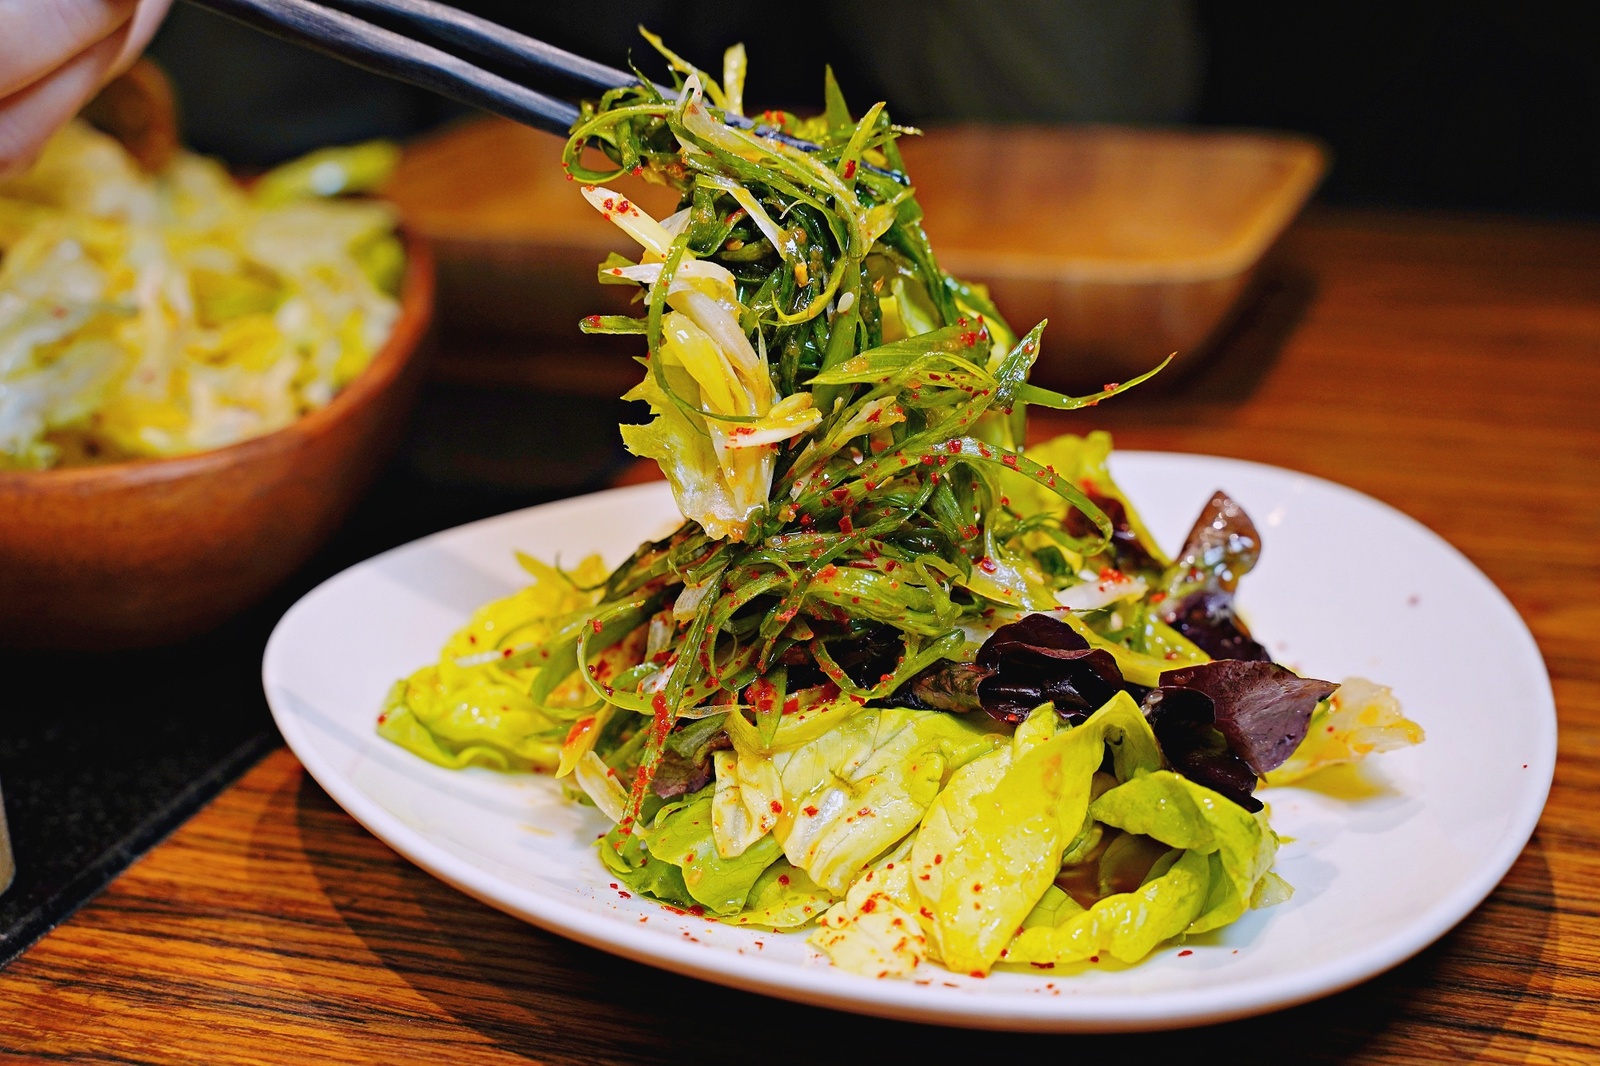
{"x": 1222, "y": 547}
{"x": 1222, "y": 544}
{"x": 677, "y": 775}
{"x": 1127, "y": 550}
{"x": 1039, "y": 659}
{"x": 1261, "y": 708}
{"x": 1182, "y": 720}
{"x": 1036, "y": 659}
{"x": 1205, "y": 617}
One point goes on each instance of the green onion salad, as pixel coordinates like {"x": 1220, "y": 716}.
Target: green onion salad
{"x": 895, "y": 680}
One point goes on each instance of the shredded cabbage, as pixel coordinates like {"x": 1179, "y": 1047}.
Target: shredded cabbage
{"x": 156, "y": 315}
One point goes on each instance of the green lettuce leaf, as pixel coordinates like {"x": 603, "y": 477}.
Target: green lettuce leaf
{"x": 783, "y": 897}
{"x": 480, "y": 723}
{"x": 986, "y": 856}
{"x": 1127, "y": 926}
{"x": 626, "y": 856}
{"x": 1182, "y": 814}
{"x": 837, "y": 801}
{"x": 682, "y": 837}
{"x": 685, "y": 454}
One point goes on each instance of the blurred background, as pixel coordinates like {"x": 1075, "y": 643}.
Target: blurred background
{"x": 1466, "y": 106}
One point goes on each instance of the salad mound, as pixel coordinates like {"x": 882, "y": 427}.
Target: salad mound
{"x": 896, "y": 679}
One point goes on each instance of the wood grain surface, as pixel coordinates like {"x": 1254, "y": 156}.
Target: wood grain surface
{"x": 1447, "y": 366}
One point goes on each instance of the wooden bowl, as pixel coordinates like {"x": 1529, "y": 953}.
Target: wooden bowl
{"x": 152, "y": 551}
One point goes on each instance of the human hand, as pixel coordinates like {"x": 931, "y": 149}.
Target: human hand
{"x": 54, "y": 56}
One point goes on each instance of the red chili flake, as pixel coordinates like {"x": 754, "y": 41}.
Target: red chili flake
{"x": 1113, "y": 386}
{"x": 697, "y": 910}
{"x": 594, "y": 623}
{"x": 846, "y": 526}
{"x": 869, "y": 905}
{"x": 626, "y": 895}
{"x": 384, "y": 717}
{"x": 506, "y": 654}
{"x": 1042, "y": 965}
{"x": 987, "y": 565}
{"x": 953, "y": 447}
{"x": 1184, "y": 952}
{"x": 977, "y": 973}
{"x": 1009, "y": 460}
{"x": 849, "y": 169}
{"x": 810, "y": 811}
{"x": 937, "y": 859}
{"x": 976, "y": 887}
{"x": 611, "y": 204}
{"x": 783, "y": 879}
{"x": 777, "y": 807}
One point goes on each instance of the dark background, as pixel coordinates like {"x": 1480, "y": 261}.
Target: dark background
{"x": 1480, "y": 107}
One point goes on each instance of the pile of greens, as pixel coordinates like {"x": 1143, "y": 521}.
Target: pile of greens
{"x": 894, "y": 673}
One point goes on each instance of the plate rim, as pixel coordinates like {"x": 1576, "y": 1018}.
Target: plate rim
{"x": 903, "y": 1000}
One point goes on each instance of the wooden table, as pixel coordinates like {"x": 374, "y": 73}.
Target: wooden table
{"x": 1450, "y": 367}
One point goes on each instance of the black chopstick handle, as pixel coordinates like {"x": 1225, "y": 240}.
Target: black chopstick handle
{"x": 487, "y": 40}
{"x": 393, "y": 55}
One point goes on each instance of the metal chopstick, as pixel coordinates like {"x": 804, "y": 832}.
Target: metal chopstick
{"x": 336, "y": 28}
{"x": 493, "y": 42}
{"x": 394, "y": 55}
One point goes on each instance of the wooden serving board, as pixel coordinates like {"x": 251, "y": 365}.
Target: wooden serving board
{"x": 1133, "y": 243}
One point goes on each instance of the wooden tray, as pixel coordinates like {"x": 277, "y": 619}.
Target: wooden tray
{"x": 1133, "y": 243}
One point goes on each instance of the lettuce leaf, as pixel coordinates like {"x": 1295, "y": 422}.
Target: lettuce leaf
{"x": 783, "y": 897}
{"x": 987, "y": 855}
{"x": 1127, "y": 926}
{"x": 1360, "y": 719}
{"x": 1176, "y": 811}
{"x": 838, "y": 800}
{"x": 682, "y": 836}
{"x": 875, "y": 930}
{"x": 480, "y": 723}
{"x": 472, "y": 707}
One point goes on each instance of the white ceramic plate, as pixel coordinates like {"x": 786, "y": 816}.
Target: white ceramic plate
{"x": 1382, "y": 863}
